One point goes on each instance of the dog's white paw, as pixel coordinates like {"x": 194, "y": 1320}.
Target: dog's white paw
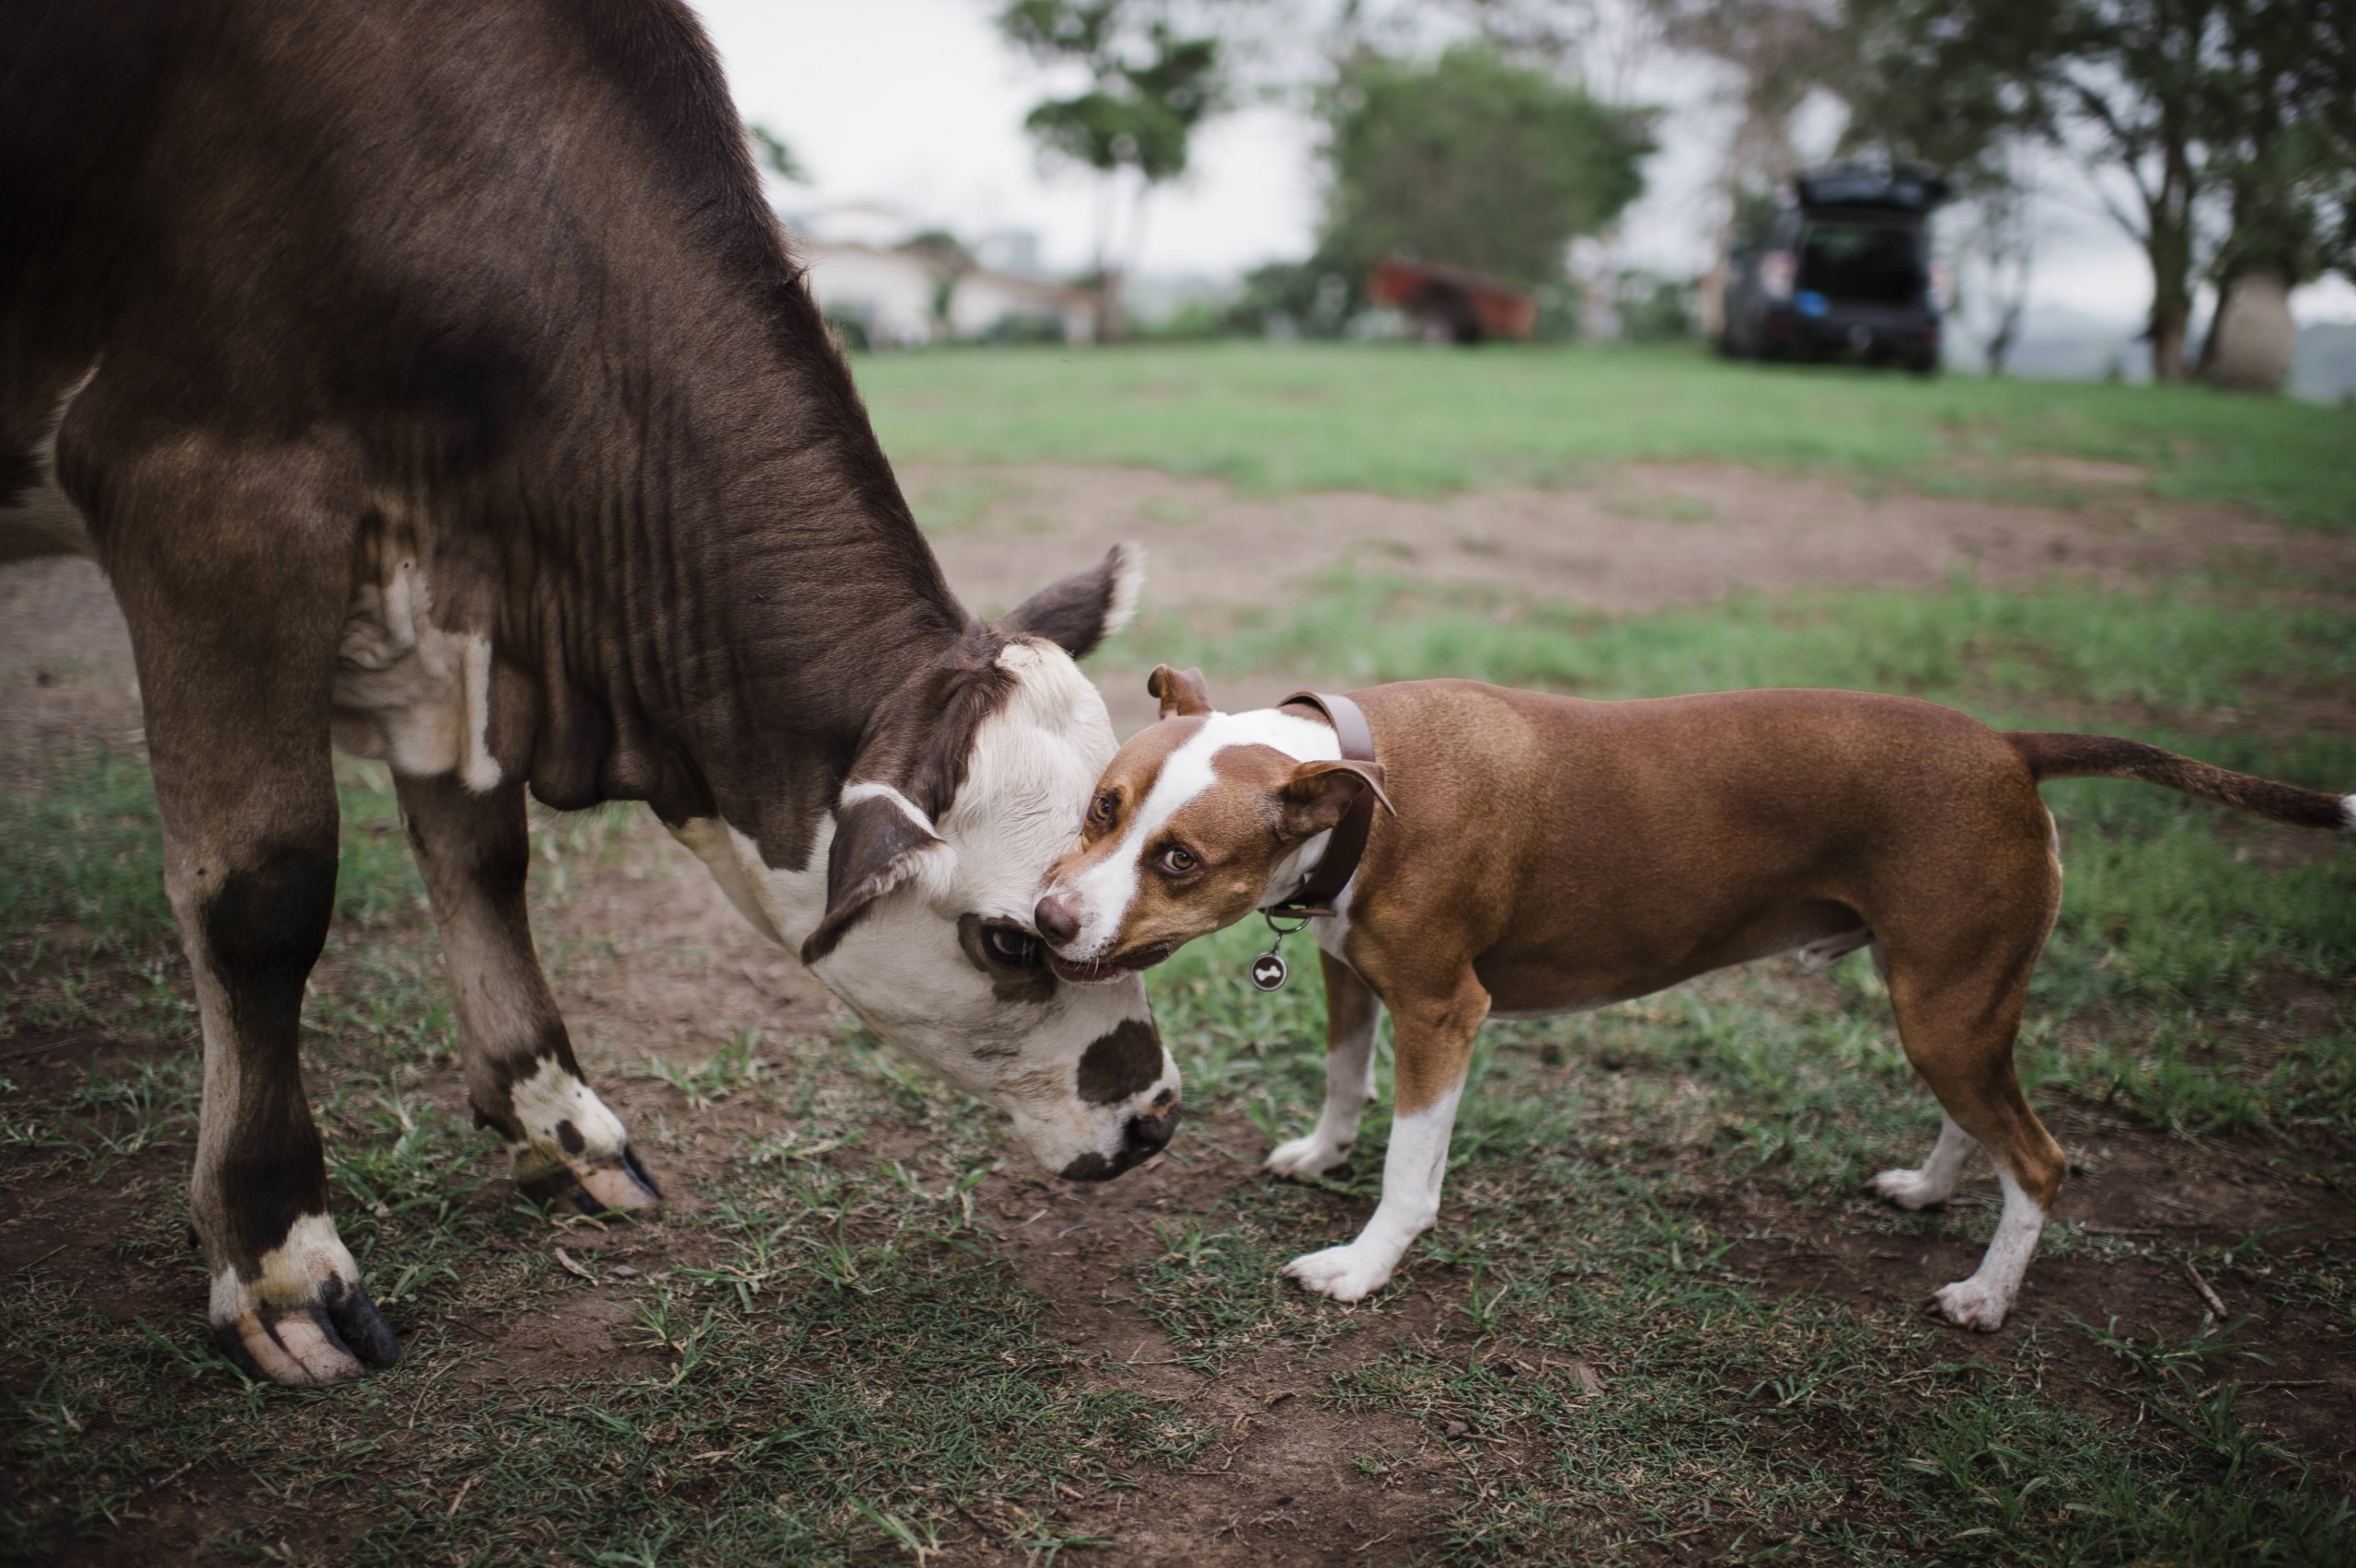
{"x": 1346, "y": 1273}
{"x": 1968, "y": 1304}
{"x": 1312, "y": 1156}
{"x": 1907, "y": 1188}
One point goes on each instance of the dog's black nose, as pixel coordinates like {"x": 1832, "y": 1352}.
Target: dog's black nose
{"x": 1057, "y": 918}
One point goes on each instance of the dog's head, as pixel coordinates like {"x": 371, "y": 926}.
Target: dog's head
{"x": 1202, "y": 818}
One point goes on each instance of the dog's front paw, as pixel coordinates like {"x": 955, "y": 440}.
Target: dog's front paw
{"x": 1967, "y": 1304}
{"x": 1346, "y": 1273}
{"x": 1312, "y": 1156}
{"x": 1907, "y": 1188}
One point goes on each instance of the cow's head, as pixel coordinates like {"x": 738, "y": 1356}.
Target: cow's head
{"x": 917, "y": 907}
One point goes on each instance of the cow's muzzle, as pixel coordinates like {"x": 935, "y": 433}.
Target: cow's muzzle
{"x": 1142, "y": 1137}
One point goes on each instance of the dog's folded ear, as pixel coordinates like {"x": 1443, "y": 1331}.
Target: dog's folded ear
{"x": 1180, "y": 692}
{"x": 1320, "y": 794}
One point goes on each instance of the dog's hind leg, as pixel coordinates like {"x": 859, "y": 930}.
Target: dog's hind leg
{"x": 1958, "y": 1019}
{"x": 474, "y": 852}
{"x": 231, "y": 567}
{"x": 1352, "y": 1015}
{"x": 1934, "y": 1183}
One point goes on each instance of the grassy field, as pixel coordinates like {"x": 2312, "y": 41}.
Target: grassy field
{"x": 1412, "y": 422}
{"x": 1656, "y": 1324}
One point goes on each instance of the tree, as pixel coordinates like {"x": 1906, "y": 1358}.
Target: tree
{"x": 2279, "y": 117}
{"x": 1150, "y": 86}
{"x": 2134, "y": 74}
{"x": 1473, "y": 161}
{"x": 1782, "y": 49}
{"x": 1958, "y": 85}
{"x": 775, "y": 155}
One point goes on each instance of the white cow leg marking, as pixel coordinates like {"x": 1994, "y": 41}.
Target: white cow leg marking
{"x": 1411, "y": 1172}
{"x": 1349, "y": 1084}
{"x": 1934, "y": 1183}
{"x": 573, "y": 1148}
{"x": 1981, "y": 1302}
{"x": 302, "y": 1319}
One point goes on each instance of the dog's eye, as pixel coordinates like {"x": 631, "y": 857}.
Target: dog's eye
{"x": 1101, "y": 809}
{"x": 1177, "y": 862}
{"x": 1012, "y": 946}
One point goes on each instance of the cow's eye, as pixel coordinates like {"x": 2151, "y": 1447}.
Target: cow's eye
{"x": 1101, "y": 810}
{"x": 1177, "y": 861}
{"x": 1010, "y": 946}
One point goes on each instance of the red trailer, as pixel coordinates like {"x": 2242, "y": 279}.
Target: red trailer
{"x": 1451, "y": 304}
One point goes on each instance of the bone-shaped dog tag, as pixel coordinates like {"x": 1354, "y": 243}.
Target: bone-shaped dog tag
{"x": 1268, "y": 970}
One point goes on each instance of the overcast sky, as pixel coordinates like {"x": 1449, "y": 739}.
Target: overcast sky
{"x": 918, "y": 104}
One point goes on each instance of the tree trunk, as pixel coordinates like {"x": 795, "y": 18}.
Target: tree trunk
{"x": 2168, "y": 242}
{"x": 1112, "y": 320}
{"x": 2250, "y": 346}
{"x": 2000, "y": 341}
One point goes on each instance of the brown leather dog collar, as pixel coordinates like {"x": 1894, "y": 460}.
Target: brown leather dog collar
{"x": 1317, "y": 892}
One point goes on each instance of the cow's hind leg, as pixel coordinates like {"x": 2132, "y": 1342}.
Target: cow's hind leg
{"x": 231, "y": 574}
{"x": 522, "y": 1079}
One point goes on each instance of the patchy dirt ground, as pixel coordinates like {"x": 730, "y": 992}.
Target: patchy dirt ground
{"x": 650, "y": 960}
{"x": 1640, "y": 537}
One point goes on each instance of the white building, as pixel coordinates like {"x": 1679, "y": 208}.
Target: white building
{"x": 864, "y": 269}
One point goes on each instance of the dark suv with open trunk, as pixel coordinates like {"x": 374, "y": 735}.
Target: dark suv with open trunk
{"x": 1842, "y": 270}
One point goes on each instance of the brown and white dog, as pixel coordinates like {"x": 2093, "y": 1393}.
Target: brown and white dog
{"x": 1544, "y": 854}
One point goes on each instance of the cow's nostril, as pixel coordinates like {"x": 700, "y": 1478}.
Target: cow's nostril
{"x": 1148, "y": 1135}
{"x": 1057, "y": 918}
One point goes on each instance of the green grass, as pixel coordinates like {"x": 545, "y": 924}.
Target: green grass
{"x": 830, "y": 1365}
{"x": 1577, "y": 1235}
{"x": 1410, "y": 421}
{"x": 2184, "y": 647}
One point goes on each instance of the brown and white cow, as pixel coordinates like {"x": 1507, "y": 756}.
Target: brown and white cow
{"x": 432, "y": 373}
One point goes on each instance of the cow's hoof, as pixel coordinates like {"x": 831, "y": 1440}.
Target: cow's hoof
{"x": 1967, "y": 1304}
{"x": 1346, "y": 1273}
{"x": 581, "y": 1186}
{"x": 304, "y": 1320}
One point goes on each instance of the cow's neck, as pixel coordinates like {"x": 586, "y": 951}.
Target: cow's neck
{"x": 777, "y": 600}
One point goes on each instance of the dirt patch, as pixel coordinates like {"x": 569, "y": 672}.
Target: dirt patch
{"x": 1640, "y": 537}
{"x": 2154, "y": 1204}
{"x": 649, "y": 957}
{"x": 1280, "y": 1482}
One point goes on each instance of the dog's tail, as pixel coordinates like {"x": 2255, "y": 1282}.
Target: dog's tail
{"x": 2053, "y": 755}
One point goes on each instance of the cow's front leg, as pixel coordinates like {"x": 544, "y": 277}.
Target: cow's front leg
{"x": 287, "y": 1299}
{"x": 1433, "y": 1039}
{"x": 230, "y": 575}
{"x": 521, "y": 1078}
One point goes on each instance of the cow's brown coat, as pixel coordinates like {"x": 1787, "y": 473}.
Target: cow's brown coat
{"x": 485, "y": 292}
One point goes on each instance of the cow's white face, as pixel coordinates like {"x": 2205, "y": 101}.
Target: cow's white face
{"x": 945, "y": 964}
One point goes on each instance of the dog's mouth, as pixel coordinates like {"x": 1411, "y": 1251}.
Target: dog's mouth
{"x": 1098, "y": 972}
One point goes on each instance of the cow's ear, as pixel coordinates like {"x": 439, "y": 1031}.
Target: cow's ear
{"x": 881, "y": 843}
{"x": 1181, "y": 691}
{"x": 1085, "y": 609}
